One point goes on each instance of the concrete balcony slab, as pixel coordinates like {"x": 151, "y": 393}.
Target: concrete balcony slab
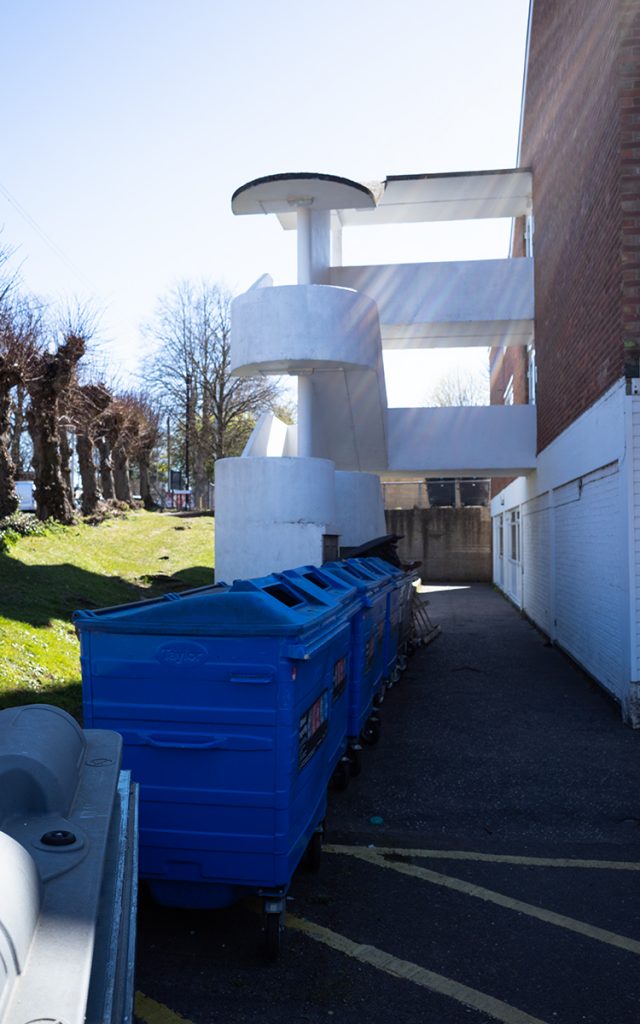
{"x": 495, "y": 440}
{"x": 454, "y": 304}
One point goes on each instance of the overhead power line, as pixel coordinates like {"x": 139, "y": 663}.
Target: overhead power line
{"x": 32, "y": 222}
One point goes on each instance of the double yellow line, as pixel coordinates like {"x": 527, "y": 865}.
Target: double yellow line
{"x": 151, "y": 1012}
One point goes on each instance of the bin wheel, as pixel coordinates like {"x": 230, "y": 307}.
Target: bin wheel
{"x": 313, "y": 854}
{"x": 371, "y": 732}
{"x": 341, "y": 776}
{"x": 355, "y": 759}
{"x": 272, "y": 933}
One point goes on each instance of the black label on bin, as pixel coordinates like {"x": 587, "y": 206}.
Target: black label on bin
{"x": 339, "y": 678}
{"x": 314, "y": 725}
{"x": 371, "y": 649}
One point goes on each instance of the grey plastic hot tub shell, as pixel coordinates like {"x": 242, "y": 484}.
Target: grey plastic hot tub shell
{"x": 68, "y": 878}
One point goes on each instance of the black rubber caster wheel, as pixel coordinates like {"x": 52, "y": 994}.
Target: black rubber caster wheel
{"x": 355, "y": 759}
{"x": 341, "y": 776}
{"x": 371, "y": 732}
{"x": 313, "y": 854}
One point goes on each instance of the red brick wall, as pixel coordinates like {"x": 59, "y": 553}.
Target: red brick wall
{"x": 630, "y": 180}
{"x": 572, "y": 140}
{"x": 505, "y": 363}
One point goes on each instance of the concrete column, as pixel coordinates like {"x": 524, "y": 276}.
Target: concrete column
{"x": 320, "y": 247}
{"x": 305, "y": 403}
{"x": 336, "y": 244}
{"x": 304, "y": 245}
{"x": 314, "y": 245}
{"x": 314, "y": 257}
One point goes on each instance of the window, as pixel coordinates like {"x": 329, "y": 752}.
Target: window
{"x": 514, "y": 538}
{"x": 508, "y": 392}
{"x": 528, "y": 235}
{"x": 532, "y": 373}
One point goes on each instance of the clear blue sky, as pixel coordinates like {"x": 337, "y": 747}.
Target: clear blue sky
{"x": 128, "y": 124}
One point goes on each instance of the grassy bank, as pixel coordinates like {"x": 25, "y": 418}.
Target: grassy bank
{"x": 44, "y": 579}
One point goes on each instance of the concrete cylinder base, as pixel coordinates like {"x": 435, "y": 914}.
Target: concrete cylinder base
{"x": 359, "y": 508}
{"x": 271, "y": 514}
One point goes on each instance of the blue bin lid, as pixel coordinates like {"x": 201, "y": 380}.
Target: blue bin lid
{"x": 327, "y": 588}
{"x": 378, "y": 569}
{"x": 354, "y": 572}
{"x": 396, "y": 575}
{"x": 265, "y": 607}
{"x": 379, "y": 565}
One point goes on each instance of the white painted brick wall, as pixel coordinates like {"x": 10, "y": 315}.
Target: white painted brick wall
{"x": 536, "y": 579}
{"x": 590, "y": 575}
{"x": 581, "y": 543}
{"x": 635, "y": 553}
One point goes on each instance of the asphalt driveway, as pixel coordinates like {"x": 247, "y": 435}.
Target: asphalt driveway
{"x": 485, "y": 866}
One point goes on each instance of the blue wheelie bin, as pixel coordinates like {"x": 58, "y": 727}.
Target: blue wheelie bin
{"x": 343, "y": 760}
{"x": 401, "y": 601}
{"x": 367, "y": 645}
{"x": 223, "y": 699}
{"x": 378, "y": 569}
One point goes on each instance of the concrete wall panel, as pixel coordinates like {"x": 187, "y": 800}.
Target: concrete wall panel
{"x": 453, "y": 544}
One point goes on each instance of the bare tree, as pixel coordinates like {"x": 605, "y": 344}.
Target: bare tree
{"x": 18, "y": 429}
{"x": 50, "y": 393}
{"x": 89, "y": 402}
{"x": 190, "y": 374}
{"x": 19, "y": 354}
{"x": 119, "y": 430}
{"x": 9, "y": 377}
{"x": 461, "y": 386}
{"x": 144, "y": 443}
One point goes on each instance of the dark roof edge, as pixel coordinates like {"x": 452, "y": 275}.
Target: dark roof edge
{"x": 453, "y": 174}
{"x": 305, "y": 176}
{"x": 524, "y": 81}
{"x": 523, "y": 99}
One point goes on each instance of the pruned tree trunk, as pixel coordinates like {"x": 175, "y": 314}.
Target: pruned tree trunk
{"x": 65, "y": 465}
{"x": 201, "y": 456}
{"x": 49, "y": 384}
{"x": 144, "y": 465}
{"x": 90, "y": 491}
{"x": 9, "y": 501}
{"x": 121, "y": 479}
{"x": 106, "y": 469}
{"x": 17, "y": 429}
{"x": 50, "y": 492}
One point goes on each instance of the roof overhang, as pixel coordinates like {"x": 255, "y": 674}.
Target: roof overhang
{"x": 399, "y": 199}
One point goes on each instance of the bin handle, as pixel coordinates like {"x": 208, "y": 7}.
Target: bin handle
{"x": 186, "y": 742}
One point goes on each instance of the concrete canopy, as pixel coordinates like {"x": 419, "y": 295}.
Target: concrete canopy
{"x": 415, "y": 198}
{"x": 286, "y": 193}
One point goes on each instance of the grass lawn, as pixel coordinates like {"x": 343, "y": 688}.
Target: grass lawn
{"x": 44, "y": 579}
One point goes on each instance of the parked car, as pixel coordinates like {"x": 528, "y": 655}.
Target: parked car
{"x": 24, "y": 490}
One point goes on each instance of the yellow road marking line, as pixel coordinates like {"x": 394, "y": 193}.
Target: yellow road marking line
{"x": 496, "y": 858}
{"x": 152, "y": 1012}
{"x": 408, "y": 971}
{"x": 469, "y": 889}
